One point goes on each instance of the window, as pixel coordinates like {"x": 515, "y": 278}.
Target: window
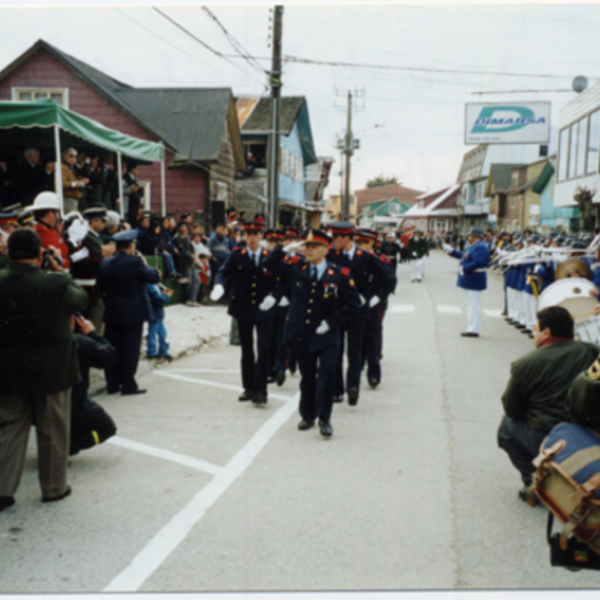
{"x": 543, "y": 150}
{"x": 593, "y": 144}
{"x": 581, "y": 144}
{"x": 563, "y": 153}
{"x": 28, "y": 94}
{"x": 573, "y": 151}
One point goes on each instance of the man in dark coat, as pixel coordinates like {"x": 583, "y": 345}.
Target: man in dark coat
{"x": 252, "y": 300}
{"x": 38, "y": 366}
{"x": 122, "y": 283}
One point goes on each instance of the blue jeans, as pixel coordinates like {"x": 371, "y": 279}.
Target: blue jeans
{"x": 169, "y": 264}
{"x": 157, "y": 328}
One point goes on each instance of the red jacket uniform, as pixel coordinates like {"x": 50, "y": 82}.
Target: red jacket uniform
{"x": 51, "y": 237}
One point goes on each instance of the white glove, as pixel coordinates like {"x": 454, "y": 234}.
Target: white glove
{"x": 374, "y": 301}
{"x": 362, "y": 300}
{"x": 267, "y": 303}
{"x": 414, "y": 254}
{"x": 284, "y": 302}
{"x": 447, "y": 248}
{"x": 294, "y": 247}
{"x": 322, "y": 328}
{"x": 217, "y": 292}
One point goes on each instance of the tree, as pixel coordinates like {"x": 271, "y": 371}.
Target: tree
{"x": 380, "y": 180}
{"x": 584, "y": 196}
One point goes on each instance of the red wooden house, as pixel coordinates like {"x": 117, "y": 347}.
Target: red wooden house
{"x": 435, "y": 213}
{"x": 198, "y": 126}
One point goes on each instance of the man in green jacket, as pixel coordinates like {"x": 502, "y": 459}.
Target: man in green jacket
{"x": 418, "y": 249}
{"x": 38, "y": 366}
{"x": 535, "y": 396}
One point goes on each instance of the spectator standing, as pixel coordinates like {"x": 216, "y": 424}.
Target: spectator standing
{"x": 73, "y": 187}
{"x": 122, "y": 282}
{"x": 29, "y": 180}
{"x": 159, "y": 297}
{"x": 38, "y": 366}
{"x": 135, "y": 194}
{"x": 187, "y": 261}
{"x": 219, "y": 247}
{"x": 90, "y": 423}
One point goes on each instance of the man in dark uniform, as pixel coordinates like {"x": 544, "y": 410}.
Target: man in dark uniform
{"x": 122, "y": 283}
{"x": 418, "y": 249}
{"x": 390, "y": 248}
{"x": 323, "y": 298}
{"x": 372, "y": 280}
{"x": 252, "y": 298}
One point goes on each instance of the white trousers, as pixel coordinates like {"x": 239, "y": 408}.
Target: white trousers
{"x": 521, "y": 307}
{"x": 417, "y": 268}
{"x": 530, "y": 303}
{"x": 473, "y": 298}
{"x": 510, "y": 303}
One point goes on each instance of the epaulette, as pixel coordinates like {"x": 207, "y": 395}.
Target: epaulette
{"x": 382, "y": 258}
{"x": 330, "y": 272}
{"x": 304, "y": 267}
{"x": 243, "y": 250}
{"x": 265, "y": 252}
{"x": 294, "y": 260}
{"x": 345, "y": 271}
{"x": 359, "y": 252}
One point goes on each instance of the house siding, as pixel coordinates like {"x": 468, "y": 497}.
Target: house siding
{"x": 185, "y": 187}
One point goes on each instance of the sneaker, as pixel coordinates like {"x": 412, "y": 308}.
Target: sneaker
{"x": 182, "y": 280}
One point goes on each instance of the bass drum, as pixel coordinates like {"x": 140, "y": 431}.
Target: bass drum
{"x": 573, "y": 293}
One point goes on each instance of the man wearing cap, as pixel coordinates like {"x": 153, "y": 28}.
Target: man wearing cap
{"x": 472, "y": 277}
{"x": 38, "y": 366}
{"x": 390, "y": 248}
{"x": 122, "y": 283}
{"x": 46, "y": 212}
{"x": 417, "y": 251}
{"x": 372, "y": 280}
{"x": 323, "y": 298}
{"x": 253, "y": 296}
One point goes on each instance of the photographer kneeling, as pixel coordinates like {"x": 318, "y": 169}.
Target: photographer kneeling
{"x": 535, "y": 396}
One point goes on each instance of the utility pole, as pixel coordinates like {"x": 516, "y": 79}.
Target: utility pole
{"x": 275, "y": 80}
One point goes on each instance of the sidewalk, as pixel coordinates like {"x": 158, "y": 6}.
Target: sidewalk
{"x": 189, "y": 330}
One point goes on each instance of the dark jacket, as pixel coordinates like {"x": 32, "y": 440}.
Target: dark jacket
{"x": 471, "y": 272}
{"x": 539, "y": 382}
{"x": 418, "y": 248}
{"x": 185, "y": 258}
{"x": 92, "y": 351}
{"x": 122, "y": 283}
{"x": 38, "y": 353}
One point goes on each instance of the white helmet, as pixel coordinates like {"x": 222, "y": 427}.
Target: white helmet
{"x": 45, "y": 201}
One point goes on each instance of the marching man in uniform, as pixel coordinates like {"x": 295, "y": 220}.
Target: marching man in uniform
{"x": 323, "y": 298}
{"x": 472, "y": 277}
{"x": 417, "y": 251}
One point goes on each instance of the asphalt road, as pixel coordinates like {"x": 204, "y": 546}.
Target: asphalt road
{"x": 200, "y": 492}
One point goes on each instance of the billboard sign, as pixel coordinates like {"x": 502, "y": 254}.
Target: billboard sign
{"x": 507, "y": 123}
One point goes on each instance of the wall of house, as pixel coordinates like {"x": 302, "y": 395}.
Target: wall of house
{"x": 224, "y": 170}
{"x": 291, "y": 185}
{"x": 185, "y": 187}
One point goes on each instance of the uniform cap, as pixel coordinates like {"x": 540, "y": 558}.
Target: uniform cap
{"x": 24, "y": 217}
{"x": 9, "y": 217}
{"x": 256, "y": 225}
{"x": 341, "y": 228}
{"x": 125, "y": 236}
{"x": 316, "y": 236}
{"x": 291, "y": 234}
{"x": 365, "y": 235}
{"x": 475, "y": 232}
{"x": 95, "y": 212}
{"x": 274, "y": 235}
{"x": 13, "y": 208}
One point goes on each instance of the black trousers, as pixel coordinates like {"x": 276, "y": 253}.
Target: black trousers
{"x": 90, "y": 425}
{"x": 278, "y": 351}
{"x": 317, "y": 383}
{"x": 372, "y": 343}
{"x": 355, "y": 332}
{"x": 127, "y": 340}
{"x": 255, "y": 371}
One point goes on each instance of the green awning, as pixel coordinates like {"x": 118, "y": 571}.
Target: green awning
{"x": 32, "y": 124}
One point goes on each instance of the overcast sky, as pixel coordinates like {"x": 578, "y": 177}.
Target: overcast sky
{"x": 422, "y": 111}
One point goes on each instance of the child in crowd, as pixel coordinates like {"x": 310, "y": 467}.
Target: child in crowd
{"x": 159, "y": 296}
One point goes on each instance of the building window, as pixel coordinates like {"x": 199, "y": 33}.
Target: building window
{"x": 593, "y": 144}
{"x": 29, "y": 94}
{"x": 573, "y": 151}
{"x": 513, "y": 201}
{"x": 543, "y": 150}
{"x": 581, "y": 144}
{"x": 563, "y": 153}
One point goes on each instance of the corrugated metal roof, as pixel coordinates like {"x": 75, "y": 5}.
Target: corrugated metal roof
{"x": 259, "y": 120}
{"x": 191, "y": 120}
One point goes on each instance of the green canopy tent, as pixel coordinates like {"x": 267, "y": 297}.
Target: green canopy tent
{"x": 46, "y": 125}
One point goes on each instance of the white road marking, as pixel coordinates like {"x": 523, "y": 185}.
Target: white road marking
{"x": 403, "y": 308}
{"x": 223, "y": 386}
{"x": 442, "y": 308}
{"x": 182, "y": 459}
{"x": 225, "y": 371}
{"x": 492, "y": 312}
{"x": 176, "y": 530}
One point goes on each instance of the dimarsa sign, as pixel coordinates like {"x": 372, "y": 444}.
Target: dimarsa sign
{"x": 508, "y": 123}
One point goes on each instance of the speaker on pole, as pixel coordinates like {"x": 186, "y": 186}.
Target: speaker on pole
{"x": 217, "y": 211}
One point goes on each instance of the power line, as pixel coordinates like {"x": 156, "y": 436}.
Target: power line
{"x": 308, "y": 61}
{"x": 237, "y": 46}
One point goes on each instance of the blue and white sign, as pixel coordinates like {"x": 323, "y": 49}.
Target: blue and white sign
{"x": 507, "y": 123}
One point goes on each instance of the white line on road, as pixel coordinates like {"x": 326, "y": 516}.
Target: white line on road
{"x": 182, "y": 459}
{"x": 176, "y": 530}
{"x": 442, "y": 308}
{"x": 403, "y": 308}
{"x": 225, "y": 371}
{"x": 492, "y": 312}
{"x": 223, "y": 386}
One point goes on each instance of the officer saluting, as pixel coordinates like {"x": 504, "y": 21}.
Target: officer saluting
{"x": 252, "y": 298}
{"x": 373, "y": 281}
{"x": 323, "y": 298}
{"x": 472, "y": 277}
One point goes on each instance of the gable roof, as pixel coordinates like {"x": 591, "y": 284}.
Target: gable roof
{"x": 259, "y": 120}
{"x": 433, "y": 208}
{"x": 153, "y": 108}
{"x": 387, "y": 192}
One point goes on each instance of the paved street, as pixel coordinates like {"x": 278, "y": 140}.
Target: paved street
{"x": 200, "y": 492}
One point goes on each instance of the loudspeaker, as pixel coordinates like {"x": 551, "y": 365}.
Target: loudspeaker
{"x": 217, "y": 211}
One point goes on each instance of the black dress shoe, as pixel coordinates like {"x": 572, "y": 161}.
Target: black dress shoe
{"x": 526, "y": 331}
{"x": 66, "y": 493}
{"x": 293, "y": 370}
{"x": 325, "y": 428}
{"x": 133, "y": 392}
{"x": 469, "y": 334}
{"x": 5, "y": 502}
{"x": 280, "y": 378}
{"x": 373, "y": 383}
{"x": 260, "y": 398}
{"x": 304, "y": 425}
{"x": 113, "y": 390}
{"x": 246, "y": 396}
{"x": 338, "y": 399}
{"x": 352, "y": 397}
{"x": 519, "y": 326}
{"x": 271, "y": 379}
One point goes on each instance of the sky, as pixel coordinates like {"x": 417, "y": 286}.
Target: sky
{"x": 409, "y": 115}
